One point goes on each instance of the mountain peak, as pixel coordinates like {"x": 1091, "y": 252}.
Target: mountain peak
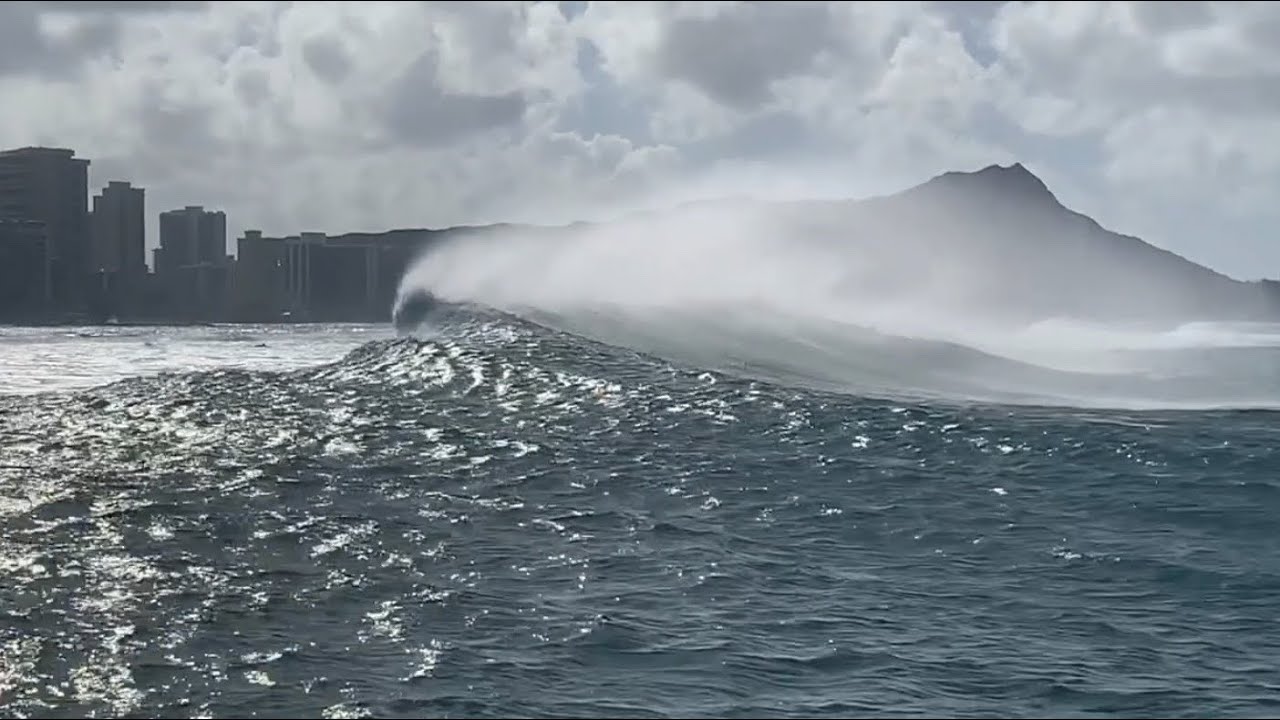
{"x": 1014, "y": 181}
{"x": 1015, "y": 174}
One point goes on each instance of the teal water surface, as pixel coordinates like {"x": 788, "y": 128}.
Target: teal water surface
{"x": 501, "y": 520}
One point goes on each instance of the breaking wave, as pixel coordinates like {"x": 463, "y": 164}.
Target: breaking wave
{"x": 789, "y": 314}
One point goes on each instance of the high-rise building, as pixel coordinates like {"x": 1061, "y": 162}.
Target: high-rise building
{"x": 313, "y": 276}
{"x": 24, "y": 269}
{"x": 191, "y": 236}
{"x": 260, "y": 278}
{"x": 51, "y": 186}
{"x": 192, "y": 265}
{"x": 119, "y": 230}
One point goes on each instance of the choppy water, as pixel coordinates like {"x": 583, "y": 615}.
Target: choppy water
{"x": 504, "y": 520}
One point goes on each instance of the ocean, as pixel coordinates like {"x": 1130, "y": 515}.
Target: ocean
{"x": 523, "y": 514}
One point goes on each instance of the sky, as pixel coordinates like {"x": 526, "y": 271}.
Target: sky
{"x": 1158, "y": 119}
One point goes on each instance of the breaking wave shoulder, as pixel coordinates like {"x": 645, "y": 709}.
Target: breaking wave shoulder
{"x": 734, "y": 296}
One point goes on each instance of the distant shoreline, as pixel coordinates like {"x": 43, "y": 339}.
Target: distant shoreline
{"x": 178, "y": 323}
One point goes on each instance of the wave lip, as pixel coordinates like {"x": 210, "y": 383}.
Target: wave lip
{"x": 758, "y": 295}
{"x": 854, "y": 359}
{"x": 1117, "y": 369}
{"x": 412, "y": 309}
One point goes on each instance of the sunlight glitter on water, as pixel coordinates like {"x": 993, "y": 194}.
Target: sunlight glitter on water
{"x": 205, "y": 544}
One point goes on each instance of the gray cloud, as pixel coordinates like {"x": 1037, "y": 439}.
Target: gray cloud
{"x": 1263, "y": 32}
{"x": 326, "y": 57}
{"x": 736, "y": 55}
{"x": 22, "y": 47}
{"x": 1170, "y": 98}
{"x": 1134, "y": 73}
{"x": 251, "y": 86}
{"x": 419, "y": 112}
{"x": 176, "y": 128}
{"x": 26, "y": 49}
{"x": 1160, "y": 17}
{"x": 136, "y": 6}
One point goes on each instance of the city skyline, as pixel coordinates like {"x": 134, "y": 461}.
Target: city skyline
{"x": 70, "y": 254}
{"x": 115, "y": 227}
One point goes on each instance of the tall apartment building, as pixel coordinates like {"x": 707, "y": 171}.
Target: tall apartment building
{"x": 24, "y": 269}
{"x": 119, "y": 230}
{"x": 314, "y": 276}
{"x": 191, "y": 236}
{"x": 51, "y": 186}
{"x": 192, "y": 266}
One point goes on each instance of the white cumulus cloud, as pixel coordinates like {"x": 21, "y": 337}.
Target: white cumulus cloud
{"x": 1160, "y": 119}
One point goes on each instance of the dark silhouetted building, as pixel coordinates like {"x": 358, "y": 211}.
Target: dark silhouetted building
{"x": 318, "y": 277}
{"x": 311, "y": 276}
{"x": 192, "y": 266}
{"x": 24, "y": 270}
{"x": 117, "y": 285}
{"x": 119, "y": 229}
{"x": 191, "y": 236}
{"x": 260, "y": 283}
{"x": 51, "y": 186}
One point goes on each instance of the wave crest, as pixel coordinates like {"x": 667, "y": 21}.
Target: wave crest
{"x": 733, "y": 294}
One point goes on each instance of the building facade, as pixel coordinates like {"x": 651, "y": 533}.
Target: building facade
{"x": 51, "y": 186}
{"x": 260, "y": 282}
{"x": 192, "y": 267}
{"x": 191, "y": 236}
{"x": 25, "y": 287}
{"x": 119, "y": 229}
{"x": 316, "y": 277}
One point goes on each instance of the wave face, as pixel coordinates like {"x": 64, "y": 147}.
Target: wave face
{"x": 498, "y": 518}
{"x": 737, "y": 293}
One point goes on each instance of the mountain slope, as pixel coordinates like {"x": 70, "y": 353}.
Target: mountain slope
{"x": 994, "y": 244}
{"x": 997, "y": 241}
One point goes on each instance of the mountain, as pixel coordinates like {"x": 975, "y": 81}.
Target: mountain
{"x": 997, "y": 241}
{"x": 993, "y": 243}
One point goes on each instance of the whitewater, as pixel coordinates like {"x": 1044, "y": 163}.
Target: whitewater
{"x": 665, "y": 476}
{"x": 739, "y": 293}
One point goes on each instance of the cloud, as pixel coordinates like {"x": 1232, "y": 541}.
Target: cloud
{"x": 765, "y": 43}
{"x": 327, "y": 57}
{"x": 54, "y": 39}
{"x": 418, "y": 111}
{"x": 354, "y": 115}
{"x": 1180, "y": 100}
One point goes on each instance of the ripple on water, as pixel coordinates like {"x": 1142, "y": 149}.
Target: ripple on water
{"x": 529, "y": 525}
